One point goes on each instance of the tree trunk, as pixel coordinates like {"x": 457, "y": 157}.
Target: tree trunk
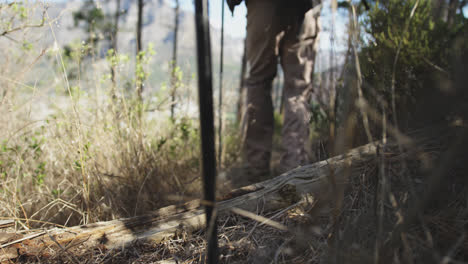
{"x": 332, "y": 88}
{"x": 440, "y": 9}
{"x": 174, "y": 83}
{"x": 114, "y": 37}
{"x": 139, "y": 47}
{"x": 311, "y": 182}
{"x": 452, "y": 12}
{"x": 462, "y": 5}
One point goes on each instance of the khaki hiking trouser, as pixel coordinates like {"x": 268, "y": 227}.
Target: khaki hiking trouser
{"x": 279, "y": 29}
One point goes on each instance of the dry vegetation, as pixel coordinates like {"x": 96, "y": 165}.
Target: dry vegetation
{"x": 65, "y": 169}
{"x": 70, "y": 155}
{"x": 435, "y": 236}
{"x": 96, "y": 159}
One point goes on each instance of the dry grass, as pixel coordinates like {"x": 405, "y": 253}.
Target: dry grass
{"x": 436, "y": 237}
{"x": 70, "y": 172}
{"x": 70, "y": 153}
{"x": 94, "y": 159}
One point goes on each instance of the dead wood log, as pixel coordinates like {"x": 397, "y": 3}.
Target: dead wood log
{"x": 274, "y": 194}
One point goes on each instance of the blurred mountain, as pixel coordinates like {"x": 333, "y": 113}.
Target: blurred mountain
{"x": 158, "y": 20}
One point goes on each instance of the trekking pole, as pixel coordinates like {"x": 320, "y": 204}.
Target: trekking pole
{"x": 205, "y": 99}
{"x": 220, "y": 100}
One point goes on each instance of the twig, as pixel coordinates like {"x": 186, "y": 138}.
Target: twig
{"x": 278, "y": 251}
{"x": 261, "y": 219}
{"x": 273, "y": 217}
{"x": 6, "y": 223}
{"x": 31, "y": 220}
{"x": 70, "y": 256}
{"x": 139, "y": 191}
{"x": 395, "y": 119}
{"x": 435, "y": 66}
{"x": 381, "y": 196}
{"x": 434, "y": 183}
{"x": 23, "y": 239}
{"x": 365, "y": 119}
{"x": 448, "y": 258}
{"x": 6, "y": 32}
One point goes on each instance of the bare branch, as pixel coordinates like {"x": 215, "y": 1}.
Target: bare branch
{"x": 6, "y": 32}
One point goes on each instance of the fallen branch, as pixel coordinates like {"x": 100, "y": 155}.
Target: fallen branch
{"x": 274, "y": 194}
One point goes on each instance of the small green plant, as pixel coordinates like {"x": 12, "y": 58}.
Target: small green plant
{"x": 19, "y": 8}
{"x": 40, "y": 173}
{"x": 56, "y": 192}
{"x": 143, "y": 59}
{"x": 116, "y": 60}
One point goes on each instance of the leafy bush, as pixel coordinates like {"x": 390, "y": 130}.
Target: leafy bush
{"x": 391, "y": 30}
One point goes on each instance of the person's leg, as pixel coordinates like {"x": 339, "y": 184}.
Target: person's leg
{"x": 298, "y": 49}
{"x": 262, "y": 29}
